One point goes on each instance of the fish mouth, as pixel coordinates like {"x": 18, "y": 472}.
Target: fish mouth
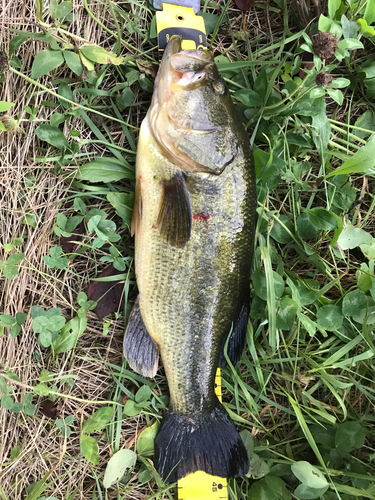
{"x": 179, "y": 69}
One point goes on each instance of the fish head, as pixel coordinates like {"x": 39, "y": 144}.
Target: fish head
{"x": 192, "y": 116}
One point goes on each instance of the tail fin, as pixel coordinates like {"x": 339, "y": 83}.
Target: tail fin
{"x": 208, "y": 442}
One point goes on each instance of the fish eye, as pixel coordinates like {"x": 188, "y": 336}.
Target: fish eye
{"x": 197, "y": 77}
{"x": 219, "y": 87}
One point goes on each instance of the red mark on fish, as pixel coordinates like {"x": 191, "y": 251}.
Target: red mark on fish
{"x": 202, "y": 216}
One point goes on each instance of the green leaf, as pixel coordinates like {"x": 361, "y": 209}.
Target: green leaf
{"x": 29, "y": 409}
{"x": 10, "y": 269}
{"x": 269, "y": 488}
{"x": 309, "y": 475}
{"x": 69, "y": 335}
{"x": 362, "y": 160}
{"x": 307, "y": 323}
{"x": 89, "y": 449}
{"x": 143, "y": 394}
{"x": 369, "y": 14}
{"x": 365, "y": 121}
{"x": 278, "y": 232}
{"x": 210, "y": 21}
{"x": 7, "y": 402}
{"x": 248, "y": 97}
{"x": 248, "y": 441}
{"x": 336, "y": 95}
{"x": 63, "y": 9}
{"x": 350, "y": 43}
{"x": 45, "y": 61}
{"x": 55, "y": 261}
{"x": 121, "y": 461}
{"x": 260, "y": 284}
{"x": 324, "y": 23}
{"x": 15, "y": 452}
{"x": 306, "y": 229}
{"x": 125, "y": 99}
{"x": 286, "y": 315}
{"x": 339, "y": 83}
{"x": 123, "y": 204}
{"x": 131, "y": 409}
{"x": 52, "y": 135}
{"x": 318, "y": 92}
{"x": 15, "y": 330}
{"x": 353, "y": 302}
{"x": 329, "y": 317}
{"x": 322, "y": 219}
{"x": 349, "y": 435}
{"x": 65, "y": 91}
{"x": 99, "y": 55}
{"x": 352, "y": 237}
{"x": 98, "y": 420}
{"x": 7, "y": 320}
{"x": 333, "y": 6}
{"x": 304, "y": 492}
{"x": 4, "y": 106}
{"x": 41, "y": 390}
{"x": 73, "y": 61}
{"x": 105, "y": 169}
{"x": 258, "y": 467}
{"x": 146, "y": 440}
{"x": 321, "y": 131}
{"x": 21, "y": 318}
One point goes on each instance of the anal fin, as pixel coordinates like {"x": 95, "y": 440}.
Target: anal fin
{"x": 175, "y": 214}
{"x": 140, "y": 349}
{"x": 237, "y": 339}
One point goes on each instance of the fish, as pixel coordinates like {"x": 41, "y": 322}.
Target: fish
{"x": 194, "y": 220}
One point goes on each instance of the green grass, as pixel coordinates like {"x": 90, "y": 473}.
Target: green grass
{"x": 303, "y": 394}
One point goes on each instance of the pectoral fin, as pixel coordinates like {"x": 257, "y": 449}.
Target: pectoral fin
{"x": 175, "y": 215}
{"x": 140, "y": 349}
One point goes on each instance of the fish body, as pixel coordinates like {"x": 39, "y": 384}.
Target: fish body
{"x": 193, "y": 220}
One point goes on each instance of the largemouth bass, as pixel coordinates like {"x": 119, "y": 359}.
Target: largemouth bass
{"x": 193, "y": 219}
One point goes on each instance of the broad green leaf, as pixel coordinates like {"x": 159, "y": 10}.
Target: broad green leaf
{"x": 143, "y": 394}
{"x": 21, "y": 318}
{"x": 269, "y": 488}
{"x": 210, "y": 21}
{"x": 278, "y": 233}
{"x": 4, "y": 106}
{"x": 73, "y": 61}
{"x": 63, "y": 9}
{"x": 333, "y": 5}
{"x": 89, "y": 449}
{"x": 365, "y": 121}
{"x": 69, "y": 335}
{"x": 336, "y": 95}
{"x": 131, "y": 409}
{"x": 121, "y": 461}
{"x": 248, "y": 441}
{"x": 329, "y": 317}
{"x": 15, "y": 452}
{"x": 146, "y": 440}
{"x": 321, "y": 131}
{"x": 52, "y": 135}
{"x": 368, "y": 250}
{"x": 306, "y": 229}
{"x": 304, "y": 492}
{"x": 340, "y": 83}
{"x": 260, "y": 284}
{"x": 105, "y": 169}
{"x": 248, "y": 97}
{"x": 318, "y": 92}
{"x": 10, "y": 269}
{"x": 125, "y": 99}
{"x": 45, "y": 61}
{"x": 324, "y": 23}
{"x": 309, "y": 475}
{"x": 98, "y": 420}
{"x": 349, "y": 28}
{"x": 369, "y": 14}
{"x": 286, "y": 314}
{"x": 322, "y": 219}
{"x": 99, "y": 55}
{"x": 123, "y": 204}
{"x": 7, "y": 320}
{"x": 41, "y": 389}
{"x": 349, "y": 435}
{"x": 7, "y": 402}
{"x": 367, "y": 314}
{"x": 353, "y": 302}
{"x": 65, "y": 91}
{"x": 350, "y": 43}
{"x": 352, "y": 237}
{"x": 258, "y": 467}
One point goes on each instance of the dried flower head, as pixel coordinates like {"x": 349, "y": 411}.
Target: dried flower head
{"x": 323, "y": 79}
{"x": 10, "y": 123}
{"x": 325, "y": 45}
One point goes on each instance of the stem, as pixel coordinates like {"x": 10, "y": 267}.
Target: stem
{"x": 349, "y": 134}
{"x": 352, "y": 126}
{"x": 91, "y": 110}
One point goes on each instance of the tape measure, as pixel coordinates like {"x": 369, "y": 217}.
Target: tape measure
{"x": 178, "y": 17}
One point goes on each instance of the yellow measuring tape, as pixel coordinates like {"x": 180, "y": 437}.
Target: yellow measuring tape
{"x": 180, "y": 20}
